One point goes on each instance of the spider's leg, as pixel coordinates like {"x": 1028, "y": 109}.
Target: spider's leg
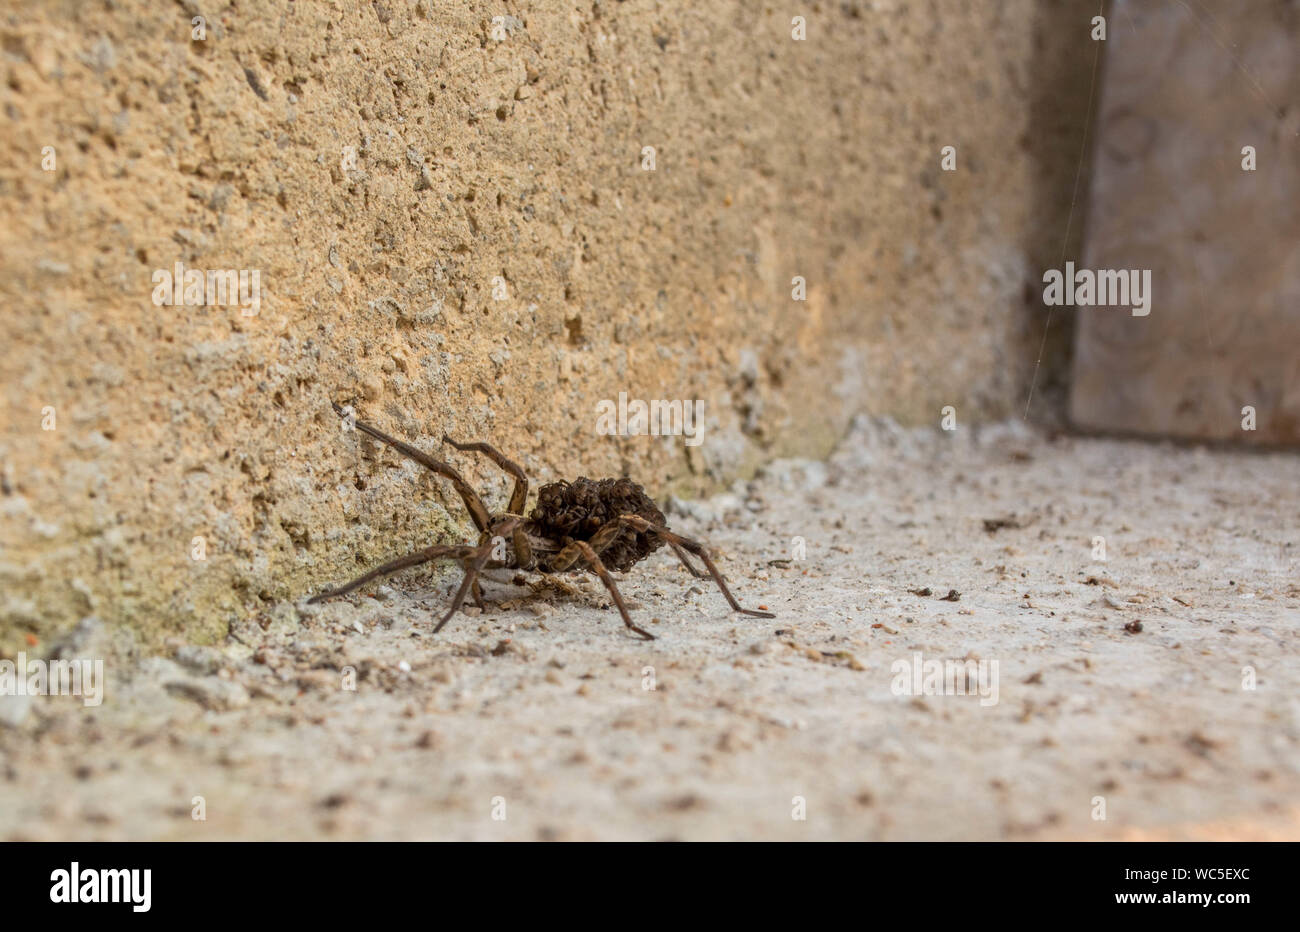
{"x": 470, "y": 574}
{"x": 519, "y": 496}
{"x": 477, "y": 592}
{"x": 581, "y": 549}
{"x": 477, "y": 558}
{"x": 401, "y": 563}
{"x": 694, "y": 570}
{"x": 694, "y": 547}
{"x": 473, "y": 504}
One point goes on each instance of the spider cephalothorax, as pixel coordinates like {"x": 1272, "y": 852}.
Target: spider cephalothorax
{"x": 579, "y": 509}
{"x": 582, "y": 526}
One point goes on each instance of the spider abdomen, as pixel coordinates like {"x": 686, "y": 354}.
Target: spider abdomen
{"x": 580, "y": 508}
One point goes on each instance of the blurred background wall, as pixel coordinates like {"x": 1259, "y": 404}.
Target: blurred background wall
{"x": 1197, "y": 182}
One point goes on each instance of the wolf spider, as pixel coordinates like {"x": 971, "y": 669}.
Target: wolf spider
{"x": 587, "y": 525}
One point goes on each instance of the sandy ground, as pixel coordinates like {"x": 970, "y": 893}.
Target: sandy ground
{"x": 534, "y": 720}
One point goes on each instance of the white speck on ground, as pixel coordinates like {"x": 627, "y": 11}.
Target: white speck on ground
{"x": 544, "y": 700}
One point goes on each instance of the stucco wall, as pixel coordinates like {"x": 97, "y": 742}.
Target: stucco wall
{"x": 474, "y": 158}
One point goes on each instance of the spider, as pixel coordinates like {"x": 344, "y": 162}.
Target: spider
{"x": 588, "y": 525}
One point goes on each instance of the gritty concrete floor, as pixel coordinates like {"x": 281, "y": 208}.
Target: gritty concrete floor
{"x": 538, "y": 709}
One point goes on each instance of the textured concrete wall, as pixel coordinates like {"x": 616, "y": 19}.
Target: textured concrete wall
{"x": 379, "y": 165}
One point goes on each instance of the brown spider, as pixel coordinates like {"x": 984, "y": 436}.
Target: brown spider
{"x": 580, "y": 526}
